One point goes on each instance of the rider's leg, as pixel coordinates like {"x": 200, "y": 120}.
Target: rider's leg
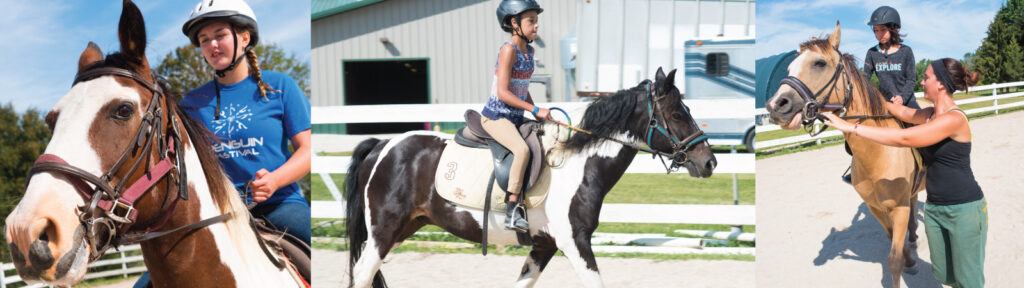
{"x": 291, "y": 217}
{"x": 506, "y": 133}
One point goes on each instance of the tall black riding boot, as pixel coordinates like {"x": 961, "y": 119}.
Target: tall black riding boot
{"x": 515, "y": 217}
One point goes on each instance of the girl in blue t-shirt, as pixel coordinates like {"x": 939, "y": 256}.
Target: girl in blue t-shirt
{"x": 254, "y": 114}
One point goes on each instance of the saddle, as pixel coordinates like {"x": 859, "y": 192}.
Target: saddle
{"x": 476, "y": 137}
{"x": 292, "y": 249}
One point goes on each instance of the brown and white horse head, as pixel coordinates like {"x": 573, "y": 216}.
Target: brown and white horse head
{"x": 684, "y": 133}
{"x": 815, "y": 65}
{"x": 93, "y": 125}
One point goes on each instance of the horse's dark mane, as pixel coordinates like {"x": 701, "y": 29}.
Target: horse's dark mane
{"x": 605, "y": 116}
{"x": 873, "y": 99}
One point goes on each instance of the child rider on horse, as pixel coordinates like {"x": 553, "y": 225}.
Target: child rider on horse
{"x": 510, "y": 96}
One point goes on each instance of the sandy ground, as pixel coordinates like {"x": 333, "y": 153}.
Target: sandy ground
{"x": 813, "y": 228}
{"x": 413, "y": 269}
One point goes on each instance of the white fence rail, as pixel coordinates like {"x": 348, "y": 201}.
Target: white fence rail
{"x": 122, "y": 267}
{"x": 994, "y": 98}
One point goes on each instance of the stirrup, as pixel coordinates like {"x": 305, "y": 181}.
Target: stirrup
{"x": 847, "y": 176}
{"x": 515, "y": 217}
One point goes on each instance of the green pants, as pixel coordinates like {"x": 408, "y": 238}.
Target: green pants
{"x": 956, "y": 240}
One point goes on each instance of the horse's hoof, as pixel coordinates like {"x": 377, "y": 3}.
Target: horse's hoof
{"x": 912, "y": 244}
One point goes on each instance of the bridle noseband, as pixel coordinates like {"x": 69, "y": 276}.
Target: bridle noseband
{"x": 679, "y": 147}
{"x": 110, "y": 210}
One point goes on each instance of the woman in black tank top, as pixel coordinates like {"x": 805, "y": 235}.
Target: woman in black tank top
{"x": 955, "y": 215}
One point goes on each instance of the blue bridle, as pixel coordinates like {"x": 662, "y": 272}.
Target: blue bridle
{"x": 679, "y": 147}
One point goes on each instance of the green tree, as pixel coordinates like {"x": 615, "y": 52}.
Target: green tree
{"x": 919, "y": 69}
{"x": 1000, "y": 57}
{"x": 185, "y": 69}
{"x": 22, "y": 139}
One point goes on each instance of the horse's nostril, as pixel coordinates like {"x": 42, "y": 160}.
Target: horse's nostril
{"x": 783, "y": 102}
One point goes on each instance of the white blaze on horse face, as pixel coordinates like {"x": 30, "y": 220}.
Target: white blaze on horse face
{"x": 52, "y": 198}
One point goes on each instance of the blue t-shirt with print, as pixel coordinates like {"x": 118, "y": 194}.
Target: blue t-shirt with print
{"x": 252, "y": 132}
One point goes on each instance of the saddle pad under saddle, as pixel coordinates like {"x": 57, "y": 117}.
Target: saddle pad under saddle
{"x": 462, "y": 176}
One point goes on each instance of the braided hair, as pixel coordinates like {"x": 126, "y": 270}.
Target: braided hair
{"x": 254, "y": 68}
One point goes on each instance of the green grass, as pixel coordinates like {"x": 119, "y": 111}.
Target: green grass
{"x": 640, "y": 188}
{"x": 525, "y": 250}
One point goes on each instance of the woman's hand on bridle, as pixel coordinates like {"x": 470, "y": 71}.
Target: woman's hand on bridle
{"x": 263, "y": 186}
{"x": 838, "y": 123}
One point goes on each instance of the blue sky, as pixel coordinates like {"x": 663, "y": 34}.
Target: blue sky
{"x": 934, "y": 29}
{"x": 42, "y": 40}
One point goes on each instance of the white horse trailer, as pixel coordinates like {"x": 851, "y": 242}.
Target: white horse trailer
{"x": 618, "y": 43}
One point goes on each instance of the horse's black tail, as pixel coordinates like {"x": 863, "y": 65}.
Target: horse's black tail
{"x": 355, "y": 221}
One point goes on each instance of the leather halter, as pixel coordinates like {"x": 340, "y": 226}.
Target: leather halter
{"x": 110, "y": 212}
{"x": 679, "y": 147}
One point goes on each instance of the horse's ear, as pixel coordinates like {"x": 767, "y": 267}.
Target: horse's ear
{"x": 834, "y": 38}
{"x": 669, "y": 81}
{"x": 132, "y": 32}
{"x": 660, "y": 75}
{"x": 92, "y": 54}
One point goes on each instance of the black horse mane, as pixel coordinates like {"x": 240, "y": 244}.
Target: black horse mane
{"x": 874, "y": 99}
{"x": 606, "y": 116}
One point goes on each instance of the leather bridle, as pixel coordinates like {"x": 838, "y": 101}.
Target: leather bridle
{"x": 109, "y": 212}
{"x": 679, "y": 147}
{"x": 812, "y": 108}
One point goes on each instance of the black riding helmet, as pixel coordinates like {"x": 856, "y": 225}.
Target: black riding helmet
{"x": 512, "y": 8}
{"x": 885, "y": 15}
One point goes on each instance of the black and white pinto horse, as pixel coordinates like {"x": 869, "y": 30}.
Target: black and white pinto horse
{"x": 391, "y": 193}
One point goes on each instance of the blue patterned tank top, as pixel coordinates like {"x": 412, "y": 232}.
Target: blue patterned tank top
{"x": 519, "y": 84}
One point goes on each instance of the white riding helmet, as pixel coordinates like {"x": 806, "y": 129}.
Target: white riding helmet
{"x": 236, "y": 12}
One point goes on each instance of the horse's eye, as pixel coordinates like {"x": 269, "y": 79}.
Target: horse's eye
{"x": 123, "y": 111}
{"x": 819, "y": 64}
{"x": 677, "y": 116}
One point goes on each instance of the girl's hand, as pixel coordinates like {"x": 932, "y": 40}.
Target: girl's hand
{"x": 543, "y": 114}
{"x": 896, "y": 100}
{"x": 838, "y": 123}
{"x": 263, "y": 186}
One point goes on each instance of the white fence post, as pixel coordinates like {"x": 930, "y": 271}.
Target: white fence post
{"x": 124, "y": 266}
{"x": 995, "y": 101}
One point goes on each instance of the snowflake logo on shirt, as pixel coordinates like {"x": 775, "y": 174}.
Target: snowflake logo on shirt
{"x": 233, "y": 118}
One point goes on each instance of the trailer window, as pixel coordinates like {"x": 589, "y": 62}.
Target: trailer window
{"x": 717, "y": 64}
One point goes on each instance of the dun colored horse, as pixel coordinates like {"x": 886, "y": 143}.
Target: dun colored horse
{"x": 885, "y": 177}
{"x": 391, "y": 189}
{"x": 114, "y": 172}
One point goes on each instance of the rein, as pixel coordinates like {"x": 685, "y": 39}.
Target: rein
{"x": 812, "y": 108}
{"x": 110, "y": 212}
{"x": 679, "y": 147}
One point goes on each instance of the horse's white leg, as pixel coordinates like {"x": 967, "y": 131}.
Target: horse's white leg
{"x": 367, "y": 266}
{"x": 580, "y": 254}
{"x": 543, "y": 249}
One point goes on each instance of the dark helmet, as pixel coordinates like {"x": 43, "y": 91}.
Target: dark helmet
{"x": 885, "y": 15}
{"x": 509, "y": 8}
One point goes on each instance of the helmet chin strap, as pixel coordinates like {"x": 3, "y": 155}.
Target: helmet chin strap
{"x": 223, "y": 72}
{"x": 518, "y": 31}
